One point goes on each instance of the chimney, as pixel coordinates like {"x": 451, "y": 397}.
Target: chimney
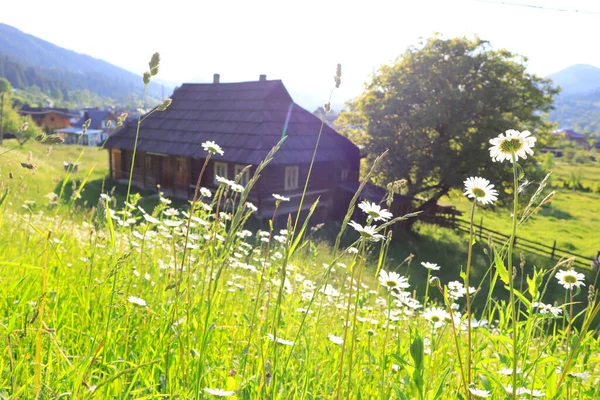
{"x": 262, "y": 78}
{"x": 216, "y": 78}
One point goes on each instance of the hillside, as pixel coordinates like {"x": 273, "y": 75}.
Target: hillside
{"x": 26, "y": 60}
{"x": 578, "y": 105}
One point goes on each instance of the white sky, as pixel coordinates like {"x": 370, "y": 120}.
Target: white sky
{"x": 301, "y": 42}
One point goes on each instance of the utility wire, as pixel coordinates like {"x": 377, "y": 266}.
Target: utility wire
{"x": 505, "y": 3}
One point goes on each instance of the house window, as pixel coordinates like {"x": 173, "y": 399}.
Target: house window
{"x": 220, "y": 169}
{"x": 180, "y": 162}
{"x": 291, "y": 178}
{"x": 344, "y": 174}
{"x": 245, "y": 177}
{"x": 149, "y": 163}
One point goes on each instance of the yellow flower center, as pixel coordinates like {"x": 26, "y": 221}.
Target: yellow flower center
{"x": 509, "y": 146}
{"x": 390, "y": 283}
{"x": 478, "y": 192}
{"x": 570, "y": 279}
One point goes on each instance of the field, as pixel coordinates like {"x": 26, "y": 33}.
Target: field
{"x": 151, "y": 302}
{"x": 572, "y": 218}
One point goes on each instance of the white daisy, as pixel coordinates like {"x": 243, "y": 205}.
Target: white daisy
{"x": 251, "y": 207}
{"x": 151, "y": 219}
{"x": 352, "y": 250}
{"x": 393, "y": 280}
{"x": 479, "y": 393}
{"x": 547, "y": 308}
{"x": 237, "y": 187}
{"x": 280, "y": 340}
{"x": 219, "y": 392}
{"x": 511, "y": 142}
{"x": 437, "y": 316}
{"x": 336, "y": 339}
{"x": 137, "y": 301}
{"x": 212, "y": 147}
{"x": 570, "y": 278}
{"x": 280, "y": 197}
{"x": 480, "y": 190}
{"x": 368, "y": 232}
{"x": 375, "y": 211}
{"x": 579, "y": 375}
{"x": 171, "y": 212}
{"x": 431, "y": 266}
{"x": 205, "y": 192}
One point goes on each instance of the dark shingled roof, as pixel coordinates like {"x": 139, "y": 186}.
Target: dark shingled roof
{"x": 246, "y": 119}
{"x": 63, "y": 112}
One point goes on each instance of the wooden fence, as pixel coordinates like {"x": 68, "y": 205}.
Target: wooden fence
{"x": 481, "y": 232}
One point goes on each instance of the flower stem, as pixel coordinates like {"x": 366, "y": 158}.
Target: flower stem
{"x": 468, "y": 294}
{"x": 510, "y": 277}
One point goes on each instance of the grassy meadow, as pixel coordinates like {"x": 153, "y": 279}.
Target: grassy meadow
{"x": 106, "y": 299}
{"x": 571, "y": 218}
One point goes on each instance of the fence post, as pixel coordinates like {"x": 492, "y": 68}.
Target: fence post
{"x": 553, "y": 249}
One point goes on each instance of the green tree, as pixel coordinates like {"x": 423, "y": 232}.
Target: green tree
{"x": 5, "y": 86}
{"x": 436, "y": 108}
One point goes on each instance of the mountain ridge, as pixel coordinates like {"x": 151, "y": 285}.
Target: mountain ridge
{"x": 79, "y": 71}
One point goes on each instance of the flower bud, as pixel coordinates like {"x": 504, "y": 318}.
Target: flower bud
{"x": 164, "y": 105}
{"x": 154, "y": 63}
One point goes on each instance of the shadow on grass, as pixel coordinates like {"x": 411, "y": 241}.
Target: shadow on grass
{"x": 549, "y": 211}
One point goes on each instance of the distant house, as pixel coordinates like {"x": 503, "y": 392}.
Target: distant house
{"x": 246, "y": 119}
{"x": 99, "y": 120}
{"x": 576, "y": 139}
{"x": 50, "y": 118}
{"x": 76, "y": 135}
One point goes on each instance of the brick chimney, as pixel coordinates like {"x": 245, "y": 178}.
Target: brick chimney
{"x": 262, "y": 78}
{"x": 216, "y": 78}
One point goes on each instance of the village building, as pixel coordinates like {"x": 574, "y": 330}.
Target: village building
{"x": 574, "y": 138}
{"x": 78, "y": 135}
{"x": 246, "y": 119}
{"x": 50, "y": 119}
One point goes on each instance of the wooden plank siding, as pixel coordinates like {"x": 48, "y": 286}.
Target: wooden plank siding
{"x": 177, "y": 177}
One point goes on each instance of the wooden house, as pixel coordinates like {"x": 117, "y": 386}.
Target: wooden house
{"x": 246, "y": 119}
{"x": 50, "y": 118}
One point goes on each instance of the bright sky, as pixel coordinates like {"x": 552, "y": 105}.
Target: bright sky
{"x": 301, "y": 42}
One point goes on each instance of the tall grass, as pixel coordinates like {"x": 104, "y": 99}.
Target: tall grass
{"x": 126, "y": 302}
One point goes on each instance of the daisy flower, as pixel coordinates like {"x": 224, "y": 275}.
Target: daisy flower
{"x": 219, "y": 392}
{"x": 579, "y": 375}
{"x": 280, "y": 197}
{"x": 205, "y": 192}
{"x": 137, "y": 301}
{"x": 431, "y": 266}
{"x": 547, "y": 308}
{"x": 375, "y": 211}
{"x": 511, "y": 142}
{"x": 171, "y": 212}
{"x": 236, "y": 187}
{"x": 151, "y": 219}
{"x": 436, "y": 316}
{"x": 570, "y": 278}
{"x": 212, "y": 147}
{"x": 392, "y": 280}
{"x": 480, "y": 190}
{"x": 368, "y": 232}
{"x": 280, "y": 340}
{"x": 336, "y": 339}
{"x": 479, "y": 393}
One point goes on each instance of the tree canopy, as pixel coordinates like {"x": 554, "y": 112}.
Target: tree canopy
{"x": 436, "y": 108}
